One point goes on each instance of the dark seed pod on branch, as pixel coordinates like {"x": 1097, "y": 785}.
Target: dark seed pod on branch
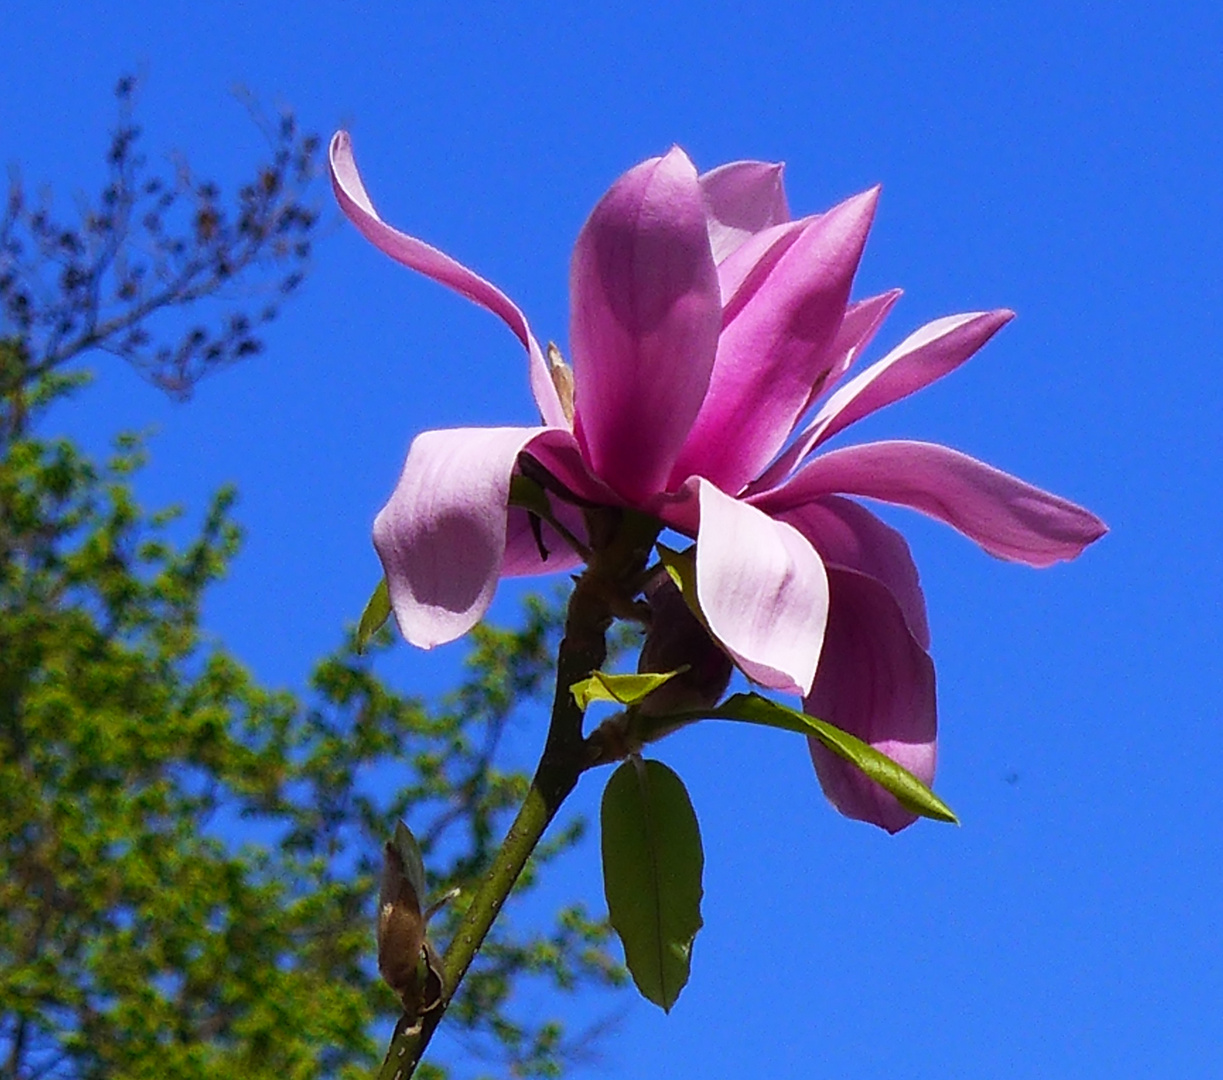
{"x": 678, "y": 640}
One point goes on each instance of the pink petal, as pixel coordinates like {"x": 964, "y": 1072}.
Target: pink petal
{"x": 419, "y": 256}
{"x": 762, "y": 590}
{"x": 645, "y": 319}
{"x": 776, "y": 349}
{"x": 849, "y": 536}
{"x": 925, "y": 355}
{"x": 522, "y": 554}
{"x": 862, "y": 320}
{"x": 744, "y": 271}
{"x": 858, "y": 328}
{"x": 741, "y": 199}
{"x": 442, "y": 535}
{"x": 679, "y": 510}
{"x": 1009, "y": 518}
{"x": 877, "y": 683}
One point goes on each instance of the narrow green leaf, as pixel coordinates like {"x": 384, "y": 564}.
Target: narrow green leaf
{"x": 652, "y": 865}
{"x": 623, "y": 689}
{"x": 912, "y": 794}
{"x": 376, "y": 612}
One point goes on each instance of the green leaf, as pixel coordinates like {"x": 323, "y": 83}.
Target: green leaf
{"x": 376, "y": 612}
{"x": 912, "y": 794}
{"x": 652, "y": 864}
{"x": 623, "y": 689}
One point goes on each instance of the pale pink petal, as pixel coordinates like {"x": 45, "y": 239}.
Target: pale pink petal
{"x": 1007, "y": 517}
{"x": 351, "y": 195}
{"x": 741, "y": 199}
{"x": 848, "y": 535}
{"x": 877, "y": 683}
{"x": 925, "y": 355}
{"x": 776, "y": 350}
{"x": 442, "y": 535}
{"x": 645, "y": 317}
{"x": 762, "y": 590}
{"x": 522, "y": 555}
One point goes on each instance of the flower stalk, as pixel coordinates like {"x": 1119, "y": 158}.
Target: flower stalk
{"x": 623, "y": 541}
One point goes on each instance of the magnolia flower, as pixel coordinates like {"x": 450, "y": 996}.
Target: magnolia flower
{"x": 705, "y": 325}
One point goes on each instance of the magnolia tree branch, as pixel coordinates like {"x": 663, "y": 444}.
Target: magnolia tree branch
{"x": 620, "y": 544}
{"x": 156, "y": 241}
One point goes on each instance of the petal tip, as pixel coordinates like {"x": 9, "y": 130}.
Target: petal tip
{"x": 677, "y": 157}
{"x": 866, "y": 201}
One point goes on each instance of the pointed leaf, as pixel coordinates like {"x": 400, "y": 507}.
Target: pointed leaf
{"x": 652, "y": 865}
{"x": 376, "y": 613}
{"x": 908, "y": 789}
{"x": 623, "y": 689}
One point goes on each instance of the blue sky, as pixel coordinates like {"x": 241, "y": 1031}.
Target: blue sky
{"x": 1064, "y": 160}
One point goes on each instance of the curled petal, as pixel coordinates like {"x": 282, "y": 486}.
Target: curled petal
{"x": 351, "y": 195}
{"x": 924, "y": 356}
{"x": 849, "y": 536}
{"x": 442, "y": 536}
{"x": 645, "y": 319}
{"x": 877, "y": 683}
{"x": 1007, "y": 517}
{"x": 776, "y": 350}
{"x": 558, "y": 453}
{"x": 523, "y": 557}
{"x": 741, "y": 199}
{"x": 762, "y": 590}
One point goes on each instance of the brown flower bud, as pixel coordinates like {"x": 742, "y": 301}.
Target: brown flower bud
{"x": 406, "y": 960}
{"x": 677, "y": 639}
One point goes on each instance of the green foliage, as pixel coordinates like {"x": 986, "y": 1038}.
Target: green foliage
{"x": 622, "y": 689}
{"x": 157, "y": 240}
{"x": 375, "y": 615}
{"x": 652, "y": 867}
{"x": 908, "y": 789}
{"x": 188, "y": 860}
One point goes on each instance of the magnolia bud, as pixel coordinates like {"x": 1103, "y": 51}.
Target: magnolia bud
{"x": 406, "y": 960}
{"x": 677, "y": 639}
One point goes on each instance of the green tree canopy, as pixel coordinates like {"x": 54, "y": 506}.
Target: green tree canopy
{"x": 188, "y": 859}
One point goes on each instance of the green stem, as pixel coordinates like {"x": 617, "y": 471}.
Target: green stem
{"x": 564, "y": 759}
